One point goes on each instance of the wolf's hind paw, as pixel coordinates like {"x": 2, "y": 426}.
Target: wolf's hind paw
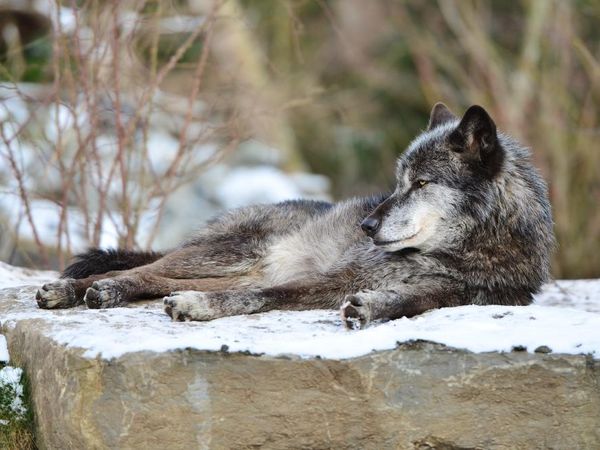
{"x": 58, "y": 294}
{"x": 355, "y": 313}
{"x": 103, "y": 294}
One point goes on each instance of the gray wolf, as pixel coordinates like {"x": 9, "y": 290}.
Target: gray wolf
{"x": 468, "y": 222}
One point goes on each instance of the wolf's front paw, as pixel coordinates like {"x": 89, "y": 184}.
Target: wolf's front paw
{"x": 355, "y": 311}
{"x": 58, "y": 294}
{"x": 103, "y": 294}
{"x": 190, "y": 305}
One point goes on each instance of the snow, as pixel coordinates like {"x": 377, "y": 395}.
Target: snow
{"x": 10, "y": 379}
{"x": 46, "y": 216}
{"x": 3, "y": 350}
{"x": 11, "y": 276}
{"x": 10, "y": 375}
{"x": 180, "y": 24}
{"x": 565, "y": 317}
{"x": 58, "y": 14}
{"x": 242, "y": 186}
{"x": 218, "y": 187}
{"x": 13, "y": 110}
{"x": 251, "y": 185}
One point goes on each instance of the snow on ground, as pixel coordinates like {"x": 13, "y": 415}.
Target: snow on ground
{"x": 11, "y": 276}
{"x": 3, "y": 351}
{"x": 565, "y": 317}
{"x": 11, "y": 394}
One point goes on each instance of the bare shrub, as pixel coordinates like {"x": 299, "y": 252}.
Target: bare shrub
{"x": 82, "y": 143}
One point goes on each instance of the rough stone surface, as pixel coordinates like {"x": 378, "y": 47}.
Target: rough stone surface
{"x": 392, "y": 399}
{"x": 420, "y": 395}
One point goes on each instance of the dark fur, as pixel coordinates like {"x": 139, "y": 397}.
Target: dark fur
{"x": 468, "y": 223}
{"x": 97, "y": 261}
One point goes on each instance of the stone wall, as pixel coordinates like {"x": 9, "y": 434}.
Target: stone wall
{"x": 128, "y": 378}
{"x": 419, "y": 395}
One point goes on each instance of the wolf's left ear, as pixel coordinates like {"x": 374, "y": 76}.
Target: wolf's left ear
{"x": 476, "y": 139}
{"x": 476, "y": 134}
{"x": 439, "y": 115}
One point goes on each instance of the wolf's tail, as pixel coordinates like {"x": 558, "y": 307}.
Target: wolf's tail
{"x": 98, "y": 261}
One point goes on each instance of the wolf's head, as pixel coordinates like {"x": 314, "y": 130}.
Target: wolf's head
{"x": 443, "y": 182}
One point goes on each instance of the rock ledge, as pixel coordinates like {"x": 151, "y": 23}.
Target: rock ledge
{"x": 112, "y": 392}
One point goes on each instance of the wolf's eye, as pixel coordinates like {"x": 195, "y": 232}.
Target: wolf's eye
{"x": 420, "y": 183}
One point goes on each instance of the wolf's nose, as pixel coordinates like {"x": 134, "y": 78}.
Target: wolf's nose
{"x": 370, "y": 226}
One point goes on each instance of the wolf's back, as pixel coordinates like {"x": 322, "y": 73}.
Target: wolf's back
{"x": 98, "y": 261}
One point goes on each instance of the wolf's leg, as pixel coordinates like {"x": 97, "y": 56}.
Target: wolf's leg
{"x": 111, "y": 292}
{"x": 185, "y": 263}
{"x": 291, "y": 296}
{"x": 179, "y": 270}
{"x": 363, "y": 307}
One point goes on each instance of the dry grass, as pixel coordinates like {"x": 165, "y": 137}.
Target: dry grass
{"x": 17, "y": 437}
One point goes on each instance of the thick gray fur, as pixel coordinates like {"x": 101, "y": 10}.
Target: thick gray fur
{"x": 469, "y": 222}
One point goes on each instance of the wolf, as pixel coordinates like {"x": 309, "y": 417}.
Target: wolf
{"x": 469, "y": 222}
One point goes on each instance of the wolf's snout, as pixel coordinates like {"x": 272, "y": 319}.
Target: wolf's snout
{"x": 370, "y": 226}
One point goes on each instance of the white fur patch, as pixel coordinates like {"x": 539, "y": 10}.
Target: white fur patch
{"x": 315, "y": 248}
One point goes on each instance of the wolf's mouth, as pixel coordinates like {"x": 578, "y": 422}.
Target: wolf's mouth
{"x": 384, "y": 243}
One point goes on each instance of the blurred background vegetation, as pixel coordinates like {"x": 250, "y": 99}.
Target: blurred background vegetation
{"x": 338, "y": 87}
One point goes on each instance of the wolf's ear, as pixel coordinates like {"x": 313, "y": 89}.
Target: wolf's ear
{"x": 440, "y": 114}
{"x": 476, "y": 139}
{"x": 476, "y": 134}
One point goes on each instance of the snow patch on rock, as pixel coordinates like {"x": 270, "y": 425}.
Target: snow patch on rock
{"x": 11, "y": 276}
{"x": 11, "y": 395}
{"x": 565, "y": 318}
{"x": 3, "y": 351}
